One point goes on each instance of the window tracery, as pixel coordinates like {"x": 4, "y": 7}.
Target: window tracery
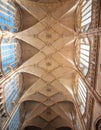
{"x": 15, "y": 121}
{"x": 81, "y": 95}
{"x": 9, "y": 56}
{"x": 8, "y": 13}
{"x": 84, "y": 55}
{"x": 86, "y": 14}
{"x": 11, "y": 92}
{"x": 9, "y": 23}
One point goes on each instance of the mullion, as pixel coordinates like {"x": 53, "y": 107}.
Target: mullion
{"x": 85, "y": 47}
{"x": 86, "y": 6}
{"x": 82, "y": 85}
{"x": 84, "y": 57}
{"x": 7, "y": 6}
{"x": 86, "y": 19}
{"x": 86, "y": 16}
{"x": 83, "y": 4}
{"x": 6, "y": 11}
{"x": 87, "y": 11}
{"x": 85, "y": 52}
{"x": 82, "y": 89}
{"x": 84, "y": 63}
{"x": 83, "y": 99}
{"x": 85, "y": 22}
{"x": 13, "y": 95}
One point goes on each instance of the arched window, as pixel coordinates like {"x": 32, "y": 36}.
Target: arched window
{"x": 11, "y": 91}
{"x": 86, "y": 14}
{"x": 78, "y": 125}
{"x": 81, "y": 95}
{"x": 9, "y": 21}
{"x": 15, "y": 121}
{"x": 8, "y": 13}
{"x": 84, "y": 54}
{"x": 9, "y": 56}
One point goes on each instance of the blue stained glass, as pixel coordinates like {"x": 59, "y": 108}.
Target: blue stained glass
{"x": 11, "y": 93}
{"x": 12, "y": 40}
{"x": 12, "y": 30}
{"x": 15, "y": 121}
{"x": 3, "y": 28}
{"x": 7, "y": 6}
{"x": 8, "y": 55}
{"x": 1, "y": 8}
{"x": 7, "y": 17}
{"x": 7, "y": 23}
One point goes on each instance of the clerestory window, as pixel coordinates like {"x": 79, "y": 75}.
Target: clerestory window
{"x": 11, "y": 92}
{"x": 84, "y": 55}
{"x": 9, "y": 57}
{"x": 81, "y": 95}
{"x": 86, "y": 14}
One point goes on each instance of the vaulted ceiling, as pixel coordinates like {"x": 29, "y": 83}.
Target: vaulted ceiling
{"x": 47, "y": 40}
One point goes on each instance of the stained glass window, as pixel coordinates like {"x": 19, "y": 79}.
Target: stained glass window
{"x": 11, "y": 92}
{"x": 8, "y": 54}
{"x": 7, "y": 16}
{"x": 15, "y": 121}
{"x": 8, "y": 23}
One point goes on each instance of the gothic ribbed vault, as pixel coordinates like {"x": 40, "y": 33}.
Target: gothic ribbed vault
{"x": 48, "y": 26}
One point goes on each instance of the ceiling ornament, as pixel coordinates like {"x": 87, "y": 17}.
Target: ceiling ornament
{"x": 54, "y": 63}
